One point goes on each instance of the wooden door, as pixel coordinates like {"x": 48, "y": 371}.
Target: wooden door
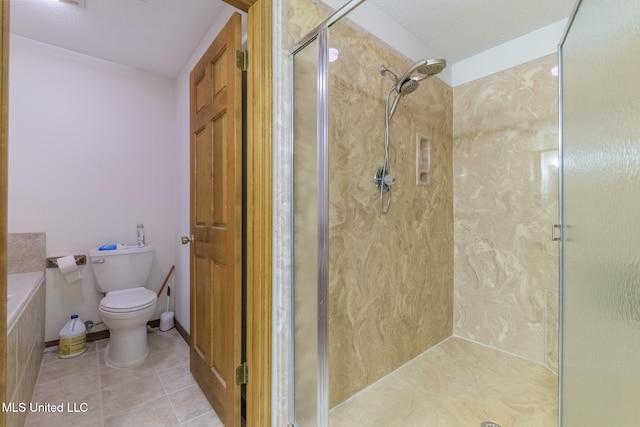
{"x": 4, "y": 151}
{"x": 216, "y": 222}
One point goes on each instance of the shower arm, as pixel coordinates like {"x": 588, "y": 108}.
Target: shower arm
{"x": 384, "y": 70}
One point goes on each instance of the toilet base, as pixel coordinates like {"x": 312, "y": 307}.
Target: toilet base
{"x": 127, "y": 364}
{"x": 127, "y": 349}
{"x": 128, "y": 336}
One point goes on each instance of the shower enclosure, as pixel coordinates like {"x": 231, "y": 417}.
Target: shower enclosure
{"x": 459, "y": 276}
{"x": 374, "y": 292}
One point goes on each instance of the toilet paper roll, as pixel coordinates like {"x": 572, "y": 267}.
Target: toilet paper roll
{"x": 69, "y": 269}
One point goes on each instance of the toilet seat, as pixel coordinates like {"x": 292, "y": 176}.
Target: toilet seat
{"x": 128, "y": 300}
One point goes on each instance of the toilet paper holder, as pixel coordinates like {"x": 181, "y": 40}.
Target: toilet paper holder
{"x": 52, "y": 262}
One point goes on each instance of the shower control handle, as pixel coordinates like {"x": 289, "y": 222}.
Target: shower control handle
{"x": 383, "y": 180}
{"x": 187, "y": 239}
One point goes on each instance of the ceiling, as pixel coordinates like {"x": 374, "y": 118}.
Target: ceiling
{"x": 458, "y": 29}
{"x": 159, "y": 35}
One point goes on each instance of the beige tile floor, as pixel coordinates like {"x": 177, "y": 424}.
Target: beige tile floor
{"x": 160, "y": 392}
{"x": 458, "y": 383}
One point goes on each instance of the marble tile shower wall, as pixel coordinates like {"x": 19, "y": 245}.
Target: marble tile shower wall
{"x": 391, "y": 276}
{"x": 505, "y": 202}
{"x": 391, "y": 281}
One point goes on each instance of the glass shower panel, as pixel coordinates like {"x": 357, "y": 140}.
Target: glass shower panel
{"x": 601, "y": 204}
{"x": 305, "y": 235}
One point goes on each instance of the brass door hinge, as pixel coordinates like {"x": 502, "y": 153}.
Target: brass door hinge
{"x": 242, "y": 374}
{"x": 242, "y": 59}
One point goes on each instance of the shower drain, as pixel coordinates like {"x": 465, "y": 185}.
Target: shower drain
{"x": 489, "y": 424}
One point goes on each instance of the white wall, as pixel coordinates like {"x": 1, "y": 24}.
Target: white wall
{"x": 528, "y": 47}
{"x": 181, "y": 163}
{"x": 378, "y": 23}
{"x": 91, "y": 154}
{"x": 95, "y": 148}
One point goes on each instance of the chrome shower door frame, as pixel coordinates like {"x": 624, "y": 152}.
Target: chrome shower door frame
{"x": 321, "y": 35}
{"x": 562, "y": 241}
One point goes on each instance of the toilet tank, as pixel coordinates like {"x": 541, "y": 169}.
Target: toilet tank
{"x": 121, "y": 268}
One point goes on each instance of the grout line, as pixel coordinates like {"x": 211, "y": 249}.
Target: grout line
{"x": 166, "y": 394}
{"x": 100, "y": 383}
{"x": 172, "y": 346}
{"x": 517, "y": 356}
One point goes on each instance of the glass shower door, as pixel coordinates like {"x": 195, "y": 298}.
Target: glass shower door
{"x": 305, "y": 235}
{"x": 600, "y": 370}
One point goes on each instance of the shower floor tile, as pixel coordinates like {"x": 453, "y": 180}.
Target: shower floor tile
{"x": 160, "y": 392}
{"x": 456, "y": 383}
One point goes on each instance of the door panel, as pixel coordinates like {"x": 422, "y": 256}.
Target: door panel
{"x": 216, "y": 222}
{"x": 600, "y": 369}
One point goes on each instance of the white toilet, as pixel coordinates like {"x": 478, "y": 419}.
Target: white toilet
{"x": 127, "y": 306}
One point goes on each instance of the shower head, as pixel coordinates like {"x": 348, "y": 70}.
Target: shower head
{"x": 408, "y": 82}
{"x": 425, "y": 68}
{"x": 432, "y": 67}
{"x": 408, "y": 86}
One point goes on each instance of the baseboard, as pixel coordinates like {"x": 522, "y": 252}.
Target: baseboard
{"x": 101, "y": 335}
{"x": 92, "y": 336}
{"x": 182, "y": 331}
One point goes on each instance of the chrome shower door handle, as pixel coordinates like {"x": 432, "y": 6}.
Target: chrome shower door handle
{"x": 187, "y": 239}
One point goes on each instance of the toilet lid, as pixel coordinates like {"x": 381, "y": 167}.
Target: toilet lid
{"x": 128, "y": 300}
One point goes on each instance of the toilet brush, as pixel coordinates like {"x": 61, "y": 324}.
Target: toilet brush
{"x": 166, "y": 280}
{"x": 166, "y": 318}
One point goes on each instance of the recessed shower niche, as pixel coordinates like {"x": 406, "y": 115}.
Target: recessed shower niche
{"x": 423, "y": 160}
